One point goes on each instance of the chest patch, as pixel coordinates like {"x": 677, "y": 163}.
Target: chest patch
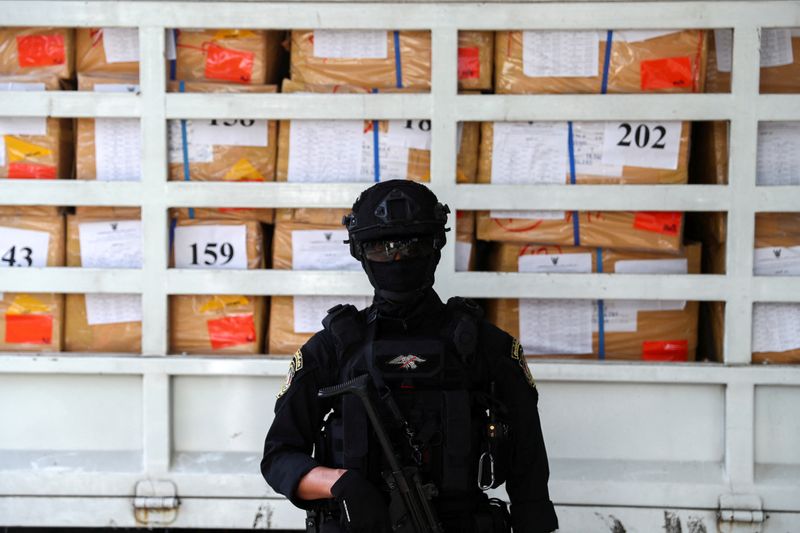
{"x": 295, "y": 365}
{"x": 516, "y": 354}
{"x": 407, "y": 362}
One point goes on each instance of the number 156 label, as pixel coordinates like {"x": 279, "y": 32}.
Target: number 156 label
{"x": 642, "y": 144}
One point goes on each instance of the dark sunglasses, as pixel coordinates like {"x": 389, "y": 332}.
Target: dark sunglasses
{"x": 397, "y": 249}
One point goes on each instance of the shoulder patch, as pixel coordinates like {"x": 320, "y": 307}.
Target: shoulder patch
{"x": 517, "y": 355}
{"x": 295, "y": 366}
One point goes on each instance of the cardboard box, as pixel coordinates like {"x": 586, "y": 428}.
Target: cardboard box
{"x": 657, "y": 331}
{"x": 106, "y": 335}
{"x": 396, "y": 144}
{"x": 250, "y": 57}
{"x": 32, "y": 322}
{"x": 220, "y": 324}
{"x": 90, "y": 55}
{"x": 368, "y": 59}
{"x": 657, "y": 231}
{"x": 37, "y": 52}
{"x": 465, "y": 240}
{"x": 673, "y": 62}
{"x": 588, "y": 140}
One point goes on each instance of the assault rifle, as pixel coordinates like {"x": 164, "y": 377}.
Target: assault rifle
{"x": 410, "y": 509}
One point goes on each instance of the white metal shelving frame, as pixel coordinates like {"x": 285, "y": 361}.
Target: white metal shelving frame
{"x": 744, "y": 107}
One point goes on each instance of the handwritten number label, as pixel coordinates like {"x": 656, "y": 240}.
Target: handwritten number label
{"x": 642, "y": 144}
{"x": 210, "y": 254}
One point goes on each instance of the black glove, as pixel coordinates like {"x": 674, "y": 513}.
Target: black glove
{"x": 363, "y": 507}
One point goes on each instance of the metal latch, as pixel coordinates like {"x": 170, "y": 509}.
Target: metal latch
{"x": 155, "y": 502}
{"x": 742, "y": 508}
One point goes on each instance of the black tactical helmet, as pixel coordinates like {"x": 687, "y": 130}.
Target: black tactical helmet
{"x": 395, "y": 208}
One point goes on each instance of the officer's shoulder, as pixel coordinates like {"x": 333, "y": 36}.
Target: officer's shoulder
{"x": 343, "y": 326}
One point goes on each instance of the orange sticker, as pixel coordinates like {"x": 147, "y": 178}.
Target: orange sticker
{"x": 231, "y": 331}
{"x": 666, "y": 222}
{"x": 667, "y": 73}
{"x": 29, "y": 329}
{"x": 40, "y": 50}
{"x": 469, "y": 63}
{"x": 665, "y": 350}
{"x": 228, "y": 64}
{"x": 30, "y": 171}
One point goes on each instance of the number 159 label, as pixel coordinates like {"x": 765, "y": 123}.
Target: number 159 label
{"x": 211, "y": 247}
{"x": 23, "y": 248}
{"x": 642, "y": 144}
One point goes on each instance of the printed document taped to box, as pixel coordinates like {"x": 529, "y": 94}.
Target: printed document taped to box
{"x": 574, "y": 263}
{"x": 322, "y": 250}
{"x": 776, "y": 327}
{"x": 775, "y": 51}
{"x": 560, "y": 53}
{"x": 642, "y": 144}
{"x": 777, "y": 261}
{"x": 116, "y": 88}
{"x": 392, "y": 158}
{"x": 23, "y": 247}
{"x": 310, "y": 310}
{"x": 529, "y": 152}
{"x": 530, "y": 215}
{"x": 111, "y": 244}
{"x": 231, "y": 132}
{"x": 351, "y": 44}
{"x": 410, "y": 133}
{"x": 113, "y": 308}
{"x": 23, "y": 126}
{"x": 195, "y": 152}
{"x": 778, "y": 153}
{"x": 121, "y": 45}
{"x": 325, "y": 150}
{"x": 201, "y": 246}
{"x": 587, "y": 142}
{"x": 463, "y": 253}
{"x": 117, "y": 148}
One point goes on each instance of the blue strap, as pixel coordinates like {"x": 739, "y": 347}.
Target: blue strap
{"x": 376, "y": 157}
{"x": 601, "y": 319}
{"x": 576, "y": 229}
{"x": 607, "y": 61}
{"x": 185, "y": 146}
{"x": 173, "y": 63}
{"x": 398, "y": 66}
{"x": 172, "y": 223}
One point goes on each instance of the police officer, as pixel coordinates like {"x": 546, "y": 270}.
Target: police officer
{"x": 465, "y": 404}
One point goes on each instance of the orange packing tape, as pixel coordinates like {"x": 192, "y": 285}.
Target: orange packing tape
{"x": 231, "y": 331}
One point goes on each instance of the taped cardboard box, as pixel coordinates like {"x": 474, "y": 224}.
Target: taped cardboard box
{"x": 465, "y": 240}
{"x": 31, "y": 322}
{"x": 39, "y": 51}
{"x": 628, "y": 152}
{"x": 631, "y": 329}
{"x": 229, "y": 56}
{"x": 114, "y": 51}
{"x": 657, "y": 231}
{"x": 343, "y": 150}
{"x": 570, "y": 62}
{"x": 109, "y": 323}
{"x": 109, "y": 212}
{"x": 217, "y": 324}
{"x": 370, "y": 58}
{"x": 780, "y": 61}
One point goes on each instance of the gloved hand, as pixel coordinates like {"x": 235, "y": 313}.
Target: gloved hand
{"x": 363, "y": 507}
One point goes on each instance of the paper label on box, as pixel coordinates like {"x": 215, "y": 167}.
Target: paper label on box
{"x": 776, "y": 327}
{"x": 170, "y": 45}
{"x": 310, "y": 310}
{"x": 635, "y": 36}
{"x": 642, "y": 144}
{"x": 23, "y": 247}
{"x": 560, "y": 53}
{"x": 230, "y": 132}
{"x": 531, "y": 215}
{"x": 555, "y": 326}
{"x": 113, "y": 308}
{"x": 776, "y": 47}
{"x": 778, "y": 156}
{"x": 196, "y": 152}
{"x": 121, "y": 45}
{"x": 777, "y": 261}
{"x": 23, "y": 126}
{"x": 117, "y": 147}
{"x": 116, "y": 88}
{"x": 111, "y": 244}
{"x": 616, "y": 318}
{"x": 587, "y": 143}
{"x": 652, "y": 266}
{"x": 322, "y": 250}
{"x": 351, "y": 44}
{"x": 529, "y": 152}
{"x": 575, "y": 263}
{"x": 410, "y": 133}
{"x": 21, "y": 86}
{"x": 723, "y": 42}
{"x": 2, "y": 151}
{"x": 392, "y": 158}
{"x": 325, "y": 150}
{"x": 463, "y": 253}
{"x": 214, "y": 247}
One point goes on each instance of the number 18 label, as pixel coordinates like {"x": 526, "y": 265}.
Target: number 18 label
{"x": 211, "y": 247}
{"x": 23, "y": 248}
{"x": 642, "y": 144}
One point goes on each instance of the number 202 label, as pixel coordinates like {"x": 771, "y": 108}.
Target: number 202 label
{"x": 642, "y": 144}
{"x": 23, "y": 248}
{"x": 211, "y": 247}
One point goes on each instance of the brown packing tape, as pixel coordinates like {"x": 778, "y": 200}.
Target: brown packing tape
{"x": 630, "y": 174}
{"x": 627, "y": 230}
{"x": 79, "y": 335}
{"x": 652, "y": 326}
{"x": 782, "y": 79}
{"x": 37, "y": 51}
{"x": 419, "y": 161}
{"x": 229, "y": 56}
{"x": 682, "y": 54}
{"x": 122, "y": 213}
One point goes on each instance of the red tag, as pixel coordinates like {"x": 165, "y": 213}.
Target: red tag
{"x": 231, "y": 331}
{"x": 40, "y": 50}
{"x": 31, "y": 171}
{"x": 29, "y": 329}
{"x": 666, "y": 222}
{"x": 227, "y": 64}
{"x": 667, "y": 73}
{"x": 665, "y": 350}
{"x": 469, "y": 63}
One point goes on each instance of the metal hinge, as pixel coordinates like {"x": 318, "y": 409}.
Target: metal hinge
{"x": 741, "y": 508}
{"x": 156, "y": 502}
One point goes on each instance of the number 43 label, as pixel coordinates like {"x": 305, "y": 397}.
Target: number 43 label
{"x": 642, "y": 144}
{"x": 211, "y": 247}
{"x": 23, "y": 248}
